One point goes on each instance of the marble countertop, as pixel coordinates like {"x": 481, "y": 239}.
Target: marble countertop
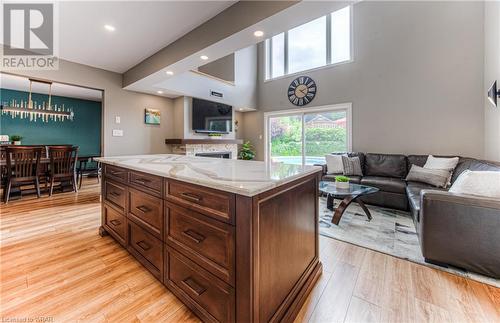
{"x": 242, "y": 177}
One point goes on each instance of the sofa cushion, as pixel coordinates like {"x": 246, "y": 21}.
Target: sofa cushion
{"x": 387, "y": 200}
{"x": 435, "y": 177}
{"x": 481, "y": 183}
{"x": 354, "y": 179}
{"x": 334, "y": 164}
{"x": 385, "y": 165}
{"x": 474, "y": 165}
{"x": 413, "y": 190}
{"x": 418, "y": 160}
{"x": 386, "y": 184}
{"x": 352, "y": 166}
{"x": 353, "y": 154}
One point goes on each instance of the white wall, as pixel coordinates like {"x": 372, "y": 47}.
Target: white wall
{"x": 242, "y": 93}
{"x": 223, "y": 68}
{"x": 491, "y": 73}
{"x": 416, "y": 83}
{"x": 138, "y": 138}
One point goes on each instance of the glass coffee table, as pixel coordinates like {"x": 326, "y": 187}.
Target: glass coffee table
{"x": 347, "y": 195}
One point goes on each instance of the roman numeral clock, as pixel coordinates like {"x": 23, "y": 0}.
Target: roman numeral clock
{"x": 302, "y": 91}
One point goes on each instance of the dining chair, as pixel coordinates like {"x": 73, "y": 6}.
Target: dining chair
{"x": 62, "y": 166}
{"x": 22, "y": 168}
{"x": 84, "y": 169}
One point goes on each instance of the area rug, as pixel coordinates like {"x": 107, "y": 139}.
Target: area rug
{"x": 390, "y": 231}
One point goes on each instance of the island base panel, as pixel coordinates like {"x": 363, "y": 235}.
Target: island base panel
{"x": 273, "y": 258}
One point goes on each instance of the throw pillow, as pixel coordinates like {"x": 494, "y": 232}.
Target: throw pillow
{"x": 434, "y": 177}
{"x": 481, "y": 183}
{"x": 442, "y": 163}
{"x": 334, "y": 164}
{"x": 352, "y": 166}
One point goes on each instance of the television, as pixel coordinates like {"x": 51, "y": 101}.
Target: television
{"x": 211, "y": 117}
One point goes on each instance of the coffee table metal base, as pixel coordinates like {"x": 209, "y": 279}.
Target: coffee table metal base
{"x": 339, "y": 210}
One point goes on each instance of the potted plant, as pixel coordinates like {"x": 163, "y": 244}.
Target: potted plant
{"x": 247, "y": 152}
{"x": 342, "y": 182}
{"x": 16, "y": 139}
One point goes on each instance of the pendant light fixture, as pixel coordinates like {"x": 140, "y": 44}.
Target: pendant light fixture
{"x": 34, "y": 111}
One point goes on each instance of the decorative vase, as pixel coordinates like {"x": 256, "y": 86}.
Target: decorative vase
{"x": 17, "y": 143}
{"x": 342, "y": 185}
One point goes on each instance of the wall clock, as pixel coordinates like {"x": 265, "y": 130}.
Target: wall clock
{"x": 302, "y": 90}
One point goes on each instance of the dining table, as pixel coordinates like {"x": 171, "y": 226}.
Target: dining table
{"x": 82, "y": 162}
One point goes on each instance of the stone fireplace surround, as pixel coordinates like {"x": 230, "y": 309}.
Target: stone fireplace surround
{"x": 193, "y": 149}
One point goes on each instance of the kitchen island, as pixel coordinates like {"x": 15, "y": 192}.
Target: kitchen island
{"x": 233, "y": 240}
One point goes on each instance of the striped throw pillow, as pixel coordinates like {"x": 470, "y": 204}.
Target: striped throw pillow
{"x": 352, "y": 166}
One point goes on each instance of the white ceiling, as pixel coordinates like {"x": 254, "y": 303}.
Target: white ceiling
{"x": 142, "y": 29}
{"x": 300, "y": 13}
{"x": 12, "y": 82}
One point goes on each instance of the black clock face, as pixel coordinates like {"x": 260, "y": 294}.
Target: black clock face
{"x": 302, "y": 90}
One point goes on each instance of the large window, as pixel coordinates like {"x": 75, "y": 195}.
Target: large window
{"x": 323, "y": 41}
{"x": 305, "y": 136}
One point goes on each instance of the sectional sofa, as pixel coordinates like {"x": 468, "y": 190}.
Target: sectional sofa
{"x": 453, "y": 229}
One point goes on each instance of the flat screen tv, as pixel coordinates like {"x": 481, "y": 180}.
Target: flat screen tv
{"x": 211, "y": 117}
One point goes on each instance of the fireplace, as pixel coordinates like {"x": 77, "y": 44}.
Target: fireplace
{"x": 224, "y": 154}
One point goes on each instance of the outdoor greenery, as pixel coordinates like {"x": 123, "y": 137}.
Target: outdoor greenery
{"x": 286, "y": 138}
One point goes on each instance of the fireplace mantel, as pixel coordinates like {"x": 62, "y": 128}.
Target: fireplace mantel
{"x": 203, "y": 141}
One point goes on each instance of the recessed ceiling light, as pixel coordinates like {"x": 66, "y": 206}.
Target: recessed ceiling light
{"x": 258, "y": 33}
{"x": 159, "y": 92}
{"x": 170, "y": 73}
{"x": 109, "y": 27}
{"x": 204, "y": 57}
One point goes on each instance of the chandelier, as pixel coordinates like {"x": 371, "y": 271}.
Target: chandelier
{"x": 33, "y": 110}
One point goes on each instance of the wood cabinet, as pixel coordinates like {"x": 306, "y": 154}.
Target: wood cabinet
{"x": 228, "y": 257}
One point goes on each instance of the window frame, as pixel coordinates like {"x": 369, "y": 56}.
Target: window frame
{"x": 302, "y": 112}
{"x": 328, "y": 34}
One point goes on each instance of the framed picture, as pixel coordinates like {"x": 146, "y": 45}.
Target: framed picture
{"x": 152, "y": 116}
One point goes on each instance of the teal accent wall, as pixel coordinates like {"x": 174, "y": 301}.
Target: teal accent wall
{"x": 84, "y": 131}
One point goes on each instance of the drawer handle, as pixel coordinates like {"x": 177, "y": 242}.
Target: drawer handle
{"x": 144, "y": 245}
{"x": 115, "y": 194}
{"x": 115, "y": 222}
{"x": 191, "y": 197}
{"x": 193, "y": 235}
{"x": 143, "y": 208}
{"x": 114, "y": 173}
{"x": 142, "y": 181}
{"x": 194, "y": 286}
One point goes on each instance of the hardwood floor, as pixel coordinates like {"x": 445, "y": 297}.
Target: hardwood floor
{"x": 54, "y": 264}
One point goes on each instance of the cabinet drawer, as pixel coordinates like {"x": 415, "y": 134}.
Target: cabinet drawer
{"x": 210, "y": 243}
{"x": 146, "y": 248}
{"x": 115, "y": 223}
{"x": 213, "y": 298}
{"x": 115, "y": 194}
{"x": 150, "y": 183}
{"x": 147, "y": 210}
{"x": 116, "y": 173}
{"x": 217, "y": 204}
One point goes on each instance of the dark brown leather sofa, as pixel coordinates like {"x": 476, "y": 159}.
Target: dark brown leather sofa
{"x": 453, "y": 229}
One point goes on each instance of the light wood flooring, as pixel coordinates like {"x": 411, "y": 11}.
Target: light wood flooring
{"x": 55, "y": 265}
